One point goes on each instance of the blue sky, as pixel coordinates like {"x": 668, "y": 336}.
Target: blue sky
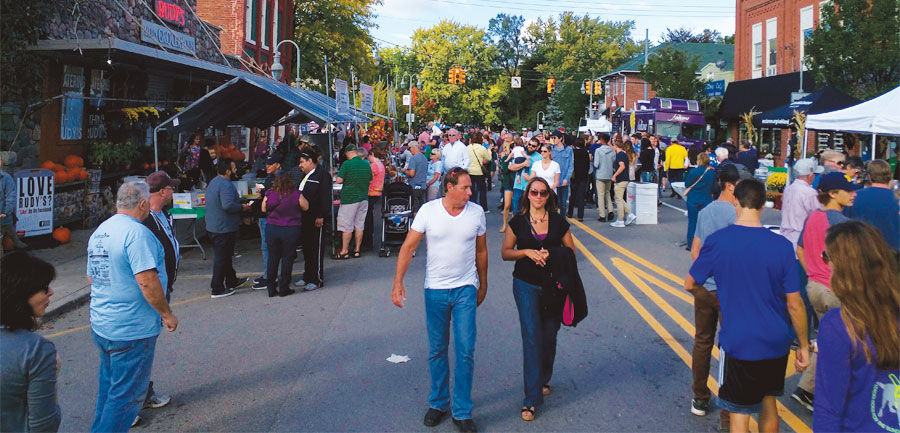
{"x": 398, "y": 19}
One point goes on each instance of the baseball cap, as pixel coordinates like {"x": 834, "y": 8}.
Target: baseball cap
{"x": 350, "y": 148}
{"x": 836, "y": 180}
{"x": 807, "y": 166}
{"x": 159, "y": 180}
{"x": 274, "y": 159}
{"x": 308, "y": 154}
{"x": 557, "y": 133}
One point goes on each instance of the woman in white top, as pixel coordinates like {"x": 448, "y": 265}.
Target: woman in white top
{"x": 546, "y": 168}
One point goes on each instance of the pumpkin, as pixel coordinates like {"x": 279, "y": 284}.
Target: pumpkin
{"x": 8, "y": 244}
{"x": 71, "y": 161}
{"x": 59, "y": 167}
{"x": 146, "y": 166}
{"x": 82, "y": 174}
{"x": 60, "y": 177}
{"x": 48, "y": 165}
{"x": 239, "y": 156}
{"x": 62, "y": 235}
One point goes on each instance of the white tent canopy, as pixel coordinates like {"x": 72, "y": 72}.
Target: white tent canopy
{"x": 596, "y": 125}
{"x": 875, "y": 116}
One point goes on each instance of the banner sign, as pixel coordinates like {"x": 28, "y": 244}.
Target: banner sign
{"x": 341, "y": 96}
{"x": 392, "y": 103}
{"x": 73, "y": 104}
{"x": 715, "y": 88}
{"x": 34, "y": 202}
{"x": 407, "y": 99}
{"x": 170, "y": 12}
{"x": 367, "y": 94}
{"x": 157, "y": 34}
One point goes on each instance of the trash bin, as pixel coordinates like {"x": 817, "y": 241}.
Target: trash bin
{"x": 645, "y": 199}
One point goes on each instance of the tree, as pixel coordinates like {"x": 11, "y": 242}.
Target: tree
{"x": 687, "y": 35}
{"x": 673, "y": 74}
{"x": 554, "y": 117}
{"x": 856, "y": 47}
{"x": 338, "y": 29}
{"x": 505, "y": 32}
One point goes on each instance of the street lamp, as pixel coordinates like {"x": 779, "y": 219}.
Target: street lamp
{"x": 540, "y": 115}
{"x": 278, "y": 69}
{"x": 402, "y": 85}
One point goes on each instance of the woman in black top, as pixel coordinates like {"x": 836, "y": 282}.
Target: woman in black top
{"x": 580, "y": 178}
{"x": 533, "y": 231}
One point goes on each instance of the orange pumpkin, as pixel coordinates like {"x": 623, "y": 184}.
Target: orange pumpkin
{"x": 71, "y": 161}
{"x": 146, "y": 166}
{"x": 60, "y": 177}
{"x": 48, "y": 165}
{"x": 59, "y": 167}
{"x": 62, "y": 235}
{"x": 8, "y": 244}
{"x": 83, "y": 174}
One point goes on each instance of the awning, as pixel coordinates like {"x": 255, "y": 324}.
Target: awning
{"x": 875, "y": 116}
{"x": 257, "y": 102}
{"x": 823, "y": 100}
{"x": 762, "y": 94}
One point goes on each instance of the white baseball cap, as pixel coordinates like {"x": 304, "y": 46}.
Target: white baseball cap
{"x": 807, "y": 166}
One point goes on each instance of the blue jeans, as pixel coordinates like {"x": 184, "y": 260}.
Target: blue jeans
{"x": 124, "y": 378}
{"x": 443, "y": 306}
{"x": 516, "y": 199}
{"x": 693, "y": 212}
{"x": 265, "y": 248}
{"x": 646, "y": 176}
{"x": 538, "y": 341}
{"x": 562, "y": 193}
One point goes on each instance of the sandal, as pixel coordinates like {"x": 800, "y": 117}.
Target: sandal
{"x": 528, "y": 413}
{"x": 340, "y": 256}
{"x": 355, "y": 254}
{"x": 546, "y": 390}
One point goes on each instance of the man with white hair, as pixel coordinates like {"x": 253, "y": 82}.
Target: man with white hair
{"x": 455, "y": 153}
{"x": 126, "y": 268}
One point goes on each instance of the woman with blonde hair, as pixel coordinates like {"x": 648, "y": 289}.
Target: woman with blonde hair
{"x": 858, "y": 367}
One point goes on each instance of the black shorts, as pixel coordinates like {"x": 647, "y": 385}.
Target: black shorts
{"x": 744, "y": 384}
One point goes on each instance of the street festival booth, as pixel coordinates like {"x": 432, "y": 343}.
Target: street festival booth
{"x": 252, "y": 101}
{"x": 878, "y": 116}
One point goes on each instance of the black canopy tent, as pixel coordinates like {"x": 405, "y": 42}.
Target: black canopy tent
{"x": 253, "y": 101}
{"x": 822, "y": 101}
{"x": 761, "y": 94}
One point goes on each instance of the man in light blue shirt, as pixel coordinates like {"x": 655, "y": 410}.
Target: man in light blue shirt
{"x": 565, "y": 157}
{"x": 127, "y": 272}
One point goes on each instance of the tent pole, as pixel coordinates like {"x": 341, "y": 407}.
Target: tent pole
{"x": 872, "y": 155}
{"x": 156, "y": 146}
{"x": 331, "y": 205}
{"x": 803, "y": 147}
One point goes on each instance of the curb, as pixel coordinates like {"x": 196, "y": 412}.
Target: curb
{"x": 67, "y": 306}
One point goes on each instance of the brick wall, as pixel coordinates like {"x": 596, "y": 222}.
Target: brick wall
{"x": 629, "y": 91}
{"x": 787, "y": 14}
{"x": 229, "y": 15}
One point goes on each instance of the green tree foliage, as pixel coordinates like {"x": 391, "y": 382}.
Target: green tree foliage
{"x": 577, "y": 48}
{"x": 673, "y": 74}
{"x": 448, "y": 44}
{"x": 856, "y": 47}
{"x": 554, "y": 117}
{"x": 23, "y": 24}
{"x": 686, "y": 35}
{"x": 338, "y": 29}
{"x": 505, "y": 33}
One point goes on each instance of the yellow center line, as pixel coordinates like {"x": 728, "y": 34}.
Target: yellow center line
{"x": 789, "y": 418}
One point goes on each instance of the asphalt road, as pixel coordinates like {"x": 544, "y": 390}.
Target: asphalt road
{"x": 317, "y": 361}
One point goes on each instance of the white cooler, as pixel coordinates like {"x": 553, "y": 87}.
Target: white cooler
{"x": 644, "y": 196}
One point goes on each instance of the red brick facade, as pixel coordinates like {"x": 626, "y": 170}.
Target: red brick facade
{"x": 780, "y": 20}
{"x": 273, "y": 19}
{"x": 625, "y": 89}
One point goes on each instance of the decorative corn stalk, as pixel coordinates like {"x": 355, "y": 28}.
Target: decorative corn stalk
{"x": 799, "y": 120}
{"x": 747, "y": 119}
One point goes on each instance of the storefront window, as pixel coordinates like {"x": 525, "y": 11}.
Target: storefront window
{"x": 770, "y": 141}
{"x": 254, "y": 23}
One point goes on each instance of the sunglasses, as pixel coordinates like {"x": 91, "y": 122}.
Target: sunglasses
{"x": 543, "y": 193}
{"x": 545, "y": 151}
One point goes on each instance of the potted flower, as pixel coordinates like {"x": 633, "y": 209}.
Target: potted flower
{"x": 775, "y": 184}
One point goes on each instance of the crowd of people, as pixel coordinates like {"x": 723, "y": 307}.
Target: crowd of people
{"x": 834, "y": 265}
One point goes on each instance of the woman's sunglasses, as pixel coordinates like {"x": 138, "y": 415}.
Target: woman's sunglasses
{"x": 542, "y": 193}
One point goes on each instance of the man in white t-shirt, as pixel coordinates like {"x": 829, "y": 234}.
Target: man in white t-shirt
{"x": 455, "y": 228}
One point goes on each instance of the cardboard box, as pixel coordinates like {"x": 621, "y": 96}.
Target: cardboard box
{"x": 182, "y": 200}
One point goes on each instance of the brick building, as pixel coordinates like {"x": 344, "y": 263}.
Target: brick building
{"x": 252, "y": 28}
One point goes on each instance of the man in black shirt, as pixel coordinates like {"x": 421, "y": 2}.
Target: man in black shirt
{"x": 316, "y": 188}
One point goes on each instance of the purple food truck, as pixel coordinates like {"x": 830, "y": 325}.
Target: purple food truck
{"x": 668, "y": 118}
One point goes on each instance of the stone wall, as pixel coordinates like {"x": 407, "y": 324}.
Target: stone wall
{"x": 93, "y": 19}
{"x": 22, "y": 151}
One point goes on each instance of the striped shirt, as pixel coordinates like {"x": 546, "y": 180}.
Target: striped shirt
{"x": 356, "y": 174}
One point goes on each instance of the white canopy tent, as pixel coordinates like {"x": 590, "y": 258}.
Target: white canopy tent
{"x": 596, "y": 125}
{"x": 875, "y": 116}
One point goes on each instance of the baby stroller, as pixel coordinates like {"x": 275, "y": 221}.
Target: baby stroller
{"x": 396, "y": 211}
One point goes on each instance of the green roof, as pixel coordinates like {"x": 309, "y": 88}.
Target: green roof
{"x": 708, "y": 53}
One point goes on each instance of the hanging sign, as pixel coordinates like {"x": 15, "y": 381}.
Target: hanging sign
{"x": 157, "y": 34}
{"x": 72, "y": 103}
{"x": 170, "y": 12}
{"x": 34, "y": 202}
{"x": 392, "y": 103}
{"x": 341, "y": 96}
{"x": 406, "y": 100}
{"x": 367, "y": 94}
{"x": 516, "y": 82}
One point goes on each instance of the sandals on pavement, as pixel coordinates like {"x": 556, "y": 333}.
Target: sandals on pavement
{"x": 355, "y": 254}
{"x": 340, "y": 256}
{"x": 528, "y": 413}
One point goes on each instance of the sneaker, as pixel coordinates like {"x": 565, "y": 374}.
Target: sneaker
{"x": 137, "y": 420}
{"x": 222, "y": 294}
{"x": 300, "y": 283}
{"x": 487, "y": 211}
{"x": 239, "y": 282}
{"x": 260, "y": 279}
{"x": 610, "y": 216}
{"x": 433, "y": 417}
{"x": 156, "y": 401}
{"x": 309, "y": 287}
{"x": 804, "y": 397}
{"x": 259, "y": 284}
{"x": 602, "y": 219}
{"x": 699, "y": 407}
{"x": 617, "y": 223}
{"x": 630, "y": 219}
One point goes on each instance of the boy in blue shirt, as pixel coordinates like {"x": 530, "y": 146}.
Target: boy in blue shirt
{"x": 758, "y": 287}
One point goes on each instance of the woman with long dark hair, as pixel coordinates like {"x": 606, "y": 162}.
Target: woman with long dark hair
{"x": 28, "y": 361}
{"x": 858, "y": 367}
{"x": 282, "y": 204}
{"x": 532, "y": 233}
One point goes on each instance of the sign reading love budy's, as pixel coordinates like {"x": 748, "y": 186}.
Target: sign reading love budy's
{"x": 34, "y": 202}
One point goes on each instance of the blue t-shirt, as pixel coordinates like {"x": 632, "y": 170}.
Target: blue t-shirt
{"x": 623, "y": 176}
{"x": 877, "y": 206}
{"x": 420, "y": 165}
{"x": 521, "y": 183}
{"x": 118, "y": 250}
{"x": 712, "y": 218}
{"x": 851, "y": 394}
{"x": 754, "y": 270}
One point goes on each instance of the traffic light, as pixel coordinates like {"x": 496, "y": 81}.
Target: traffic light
{"x": 451, "y": 76}
{"x": 586, "y": 89}
{"x": 462, "y": 76}
{"x": 598, "y": 87}
{"x": 551, "y": 85}
{"x": 457, "y": 75}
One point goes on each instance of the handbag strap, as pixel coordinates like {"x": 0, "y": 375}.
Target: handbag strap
{"x": 696, "y": 181}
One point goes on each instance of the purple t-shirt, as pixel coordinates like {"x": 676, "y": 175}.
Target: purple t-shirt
{"x": 283, "y": 209}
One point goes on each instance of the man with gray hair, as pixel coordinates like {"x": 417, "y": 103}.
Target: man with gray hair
{"x": 455, "y": 153}
{"x": 126, "y": 268}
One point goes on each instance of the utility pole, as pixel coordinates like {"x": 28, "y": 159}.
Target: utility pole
{"x": 646, "y": 50}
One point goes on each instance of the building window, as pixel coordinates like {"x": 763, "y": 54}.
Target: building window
{"x": 280, "y": 34}
{"x": 276, "y": 31}
{"x": 265, "y": 25}
{"x": 757, "y": 55}
{"x": 769, "y": 141}
{"x": 806, "y": 29}
{"x": 771, "y": 46}
{"x": 249, "y": 29}
{"x": 756, "y": 52}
